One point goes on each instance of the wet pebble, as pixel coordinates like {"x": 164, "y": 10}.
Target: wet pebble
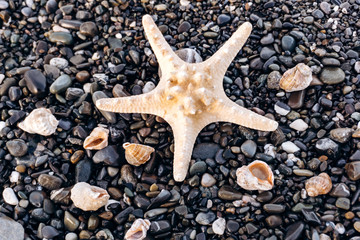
{"x": 35, "y": 81}
{"x": 205, "y": 218}
{"x": 49, "y": 181}
{"x": 248, "y": 148}
{"x": 60, "y": 84}
{"x": 17, "y": 147}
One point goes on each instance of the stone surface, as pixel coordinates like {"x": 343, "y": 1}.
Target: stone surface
{"x": 10, "y": 229}
{"x": 332, "y": 75}
{"x": 35, "y": 81}
{"x": 17, "y": 147}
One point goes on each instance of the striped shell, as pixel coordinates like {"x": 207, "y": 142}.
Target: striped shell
{"x": 318, "y": 185}
{"x": 137, "y": 154}
{"x": 255, "y": 176}
{"x": 40, "y": 121}
{"x": 98, "y": 139}
{"x": 138, "y": 230}
{"x": 297, "y": 78}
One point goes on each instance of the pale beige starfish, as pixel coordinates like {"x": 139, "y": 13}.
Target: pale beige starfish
{"x": 189, "y": 96}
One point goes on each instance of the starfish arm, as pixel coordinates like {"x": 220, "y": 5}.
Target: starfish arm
{"x": 231, "y": 112}
{"x": 162, "y": 50}
{"x": 184, "y": 138}
{"x": 221, "y": 60}
{"x": 144, "y": 103}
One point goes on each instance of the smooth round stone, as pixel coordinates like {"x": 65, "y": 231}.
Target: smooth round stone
{"x": 49, "y": 182}
{"x": 17, "y": 147}
{"x": 266, "y": 53}
{"x": 268, "y": 39}
{"x": 232, "y": 226}
{"x": 330, "y": 62}
{"x": 223, "y": 19}
{"x": 71, "y": 236}
{"x": 51, "y": 6}
{"x": 228, "y": 193}
{"x": 158, "y": 227}
{"x": 4, "y": 5}
{"x": 198, "y": 168}
{"x": 49, "y": 232}
{"x": 303, "y": 172}
{"x": 11, "y": 229}
{"x": 343, "y": 203}
{"x": 341, "y": 135}
{"x": 89, "y": 29}
{"x": 332, "y": 75}
{"x": 148, "y": 87}
{"x": 289, "y": 147}
{"x": 27, "y": 12}
{"x": 207, "y": 180}
{"x": 282, "y": 108}
{"x": 353, "y": 170}
{"x": 205, "y": 218}
{"x": 184, "y": 27}
{"x": 288, "y": 43}
{"x": 273, "y": 221}
{"x": 60, "y": 84}
{"x": 357, "y": 226}
{"x": 218, "y": 226}
{"x": 9, "y": 196}
{"x": 210, "y": 34}
{"x": 61, "y": 37}
{"x": 299, "y": 125}
{"x": 325, "y": 7}
{"x": 181, "y": 210}
{"x": 14, "y": 93}
{"x": 36, "y": 198}
{"x": 318, "y": 14}
{"x": 60, "y": 63}
{"x": 93, "y": 222}
{"x": 294, "y": 231}
{"x": 308, "y": 20}
{"x": 70, "y": 222}
{"x": 135, "y": 56}
{"x": 248, "y": 148}
{"x": 35, "y": 81}
{"x": 82, "y": 76}
{"x": 205, "y": 150}
{"x": 274, "y": 208}
{"x": 108, "y": 155}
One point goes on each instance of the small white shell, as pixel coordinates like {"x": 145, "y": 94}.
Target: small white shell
{"x": 138, "y": 230}
{"x": 137, "y": 154}
{"x": 87, "y": 197}
{"x": 297, "y": 78}
{"x": 97, "y": 140}
{"x": 255, "y": 176}
{"x": 40, "y": 121}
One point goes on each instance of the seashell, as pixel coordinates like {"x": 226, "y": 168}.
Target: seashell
{"x": 297, "y": 78}
{"x": 40, "y": 121}
{"x": 138, "y": 230}
{"x": 97, "y": 140}
{"x": 137, "y": 154}
{"x": 87, "y": 197}
{"x": 318, "y": 185}
{"x": 255, "y": 176}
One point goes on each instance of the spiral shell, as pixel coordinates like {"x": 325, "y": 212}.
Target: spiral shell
{"x": 98, "y": 139}
{"x": 318, "y": 185}
{"x": 297, "y": 78}
{"x": 40, "y": 121}
{"x": 138, "y": 230}
{"x": 255, "y": 176}
{"x": 137, "y": 154}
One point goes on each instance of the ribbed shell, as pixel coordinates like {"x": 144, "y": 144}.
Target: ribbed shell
{"x": 98, "y": 139}
{"x": 138, "y": 230}
{"x": 318, "y": 185}
{"x": 297, "y": 78}
{"x": 40, "y": 121}
{"x": 255, "y": 176}
{"x": 137, "y": 154}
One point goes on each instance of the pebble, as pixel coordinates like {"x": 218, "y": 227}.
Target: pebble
{"x": 11, "y": 229}
{"x": 266, "y": 53}
{"x": 228, "y": 193}
{"x": 70, "y": 222}
{"x": 332, "y": 75}
{"x": 49, "y": 181}
{"x": 273, "y": 80}
{"x": 36, "y": 198}
{"x": 273, "y": 221}
{"x": 248, "y": 148}
{"x": 110, "y": 116}
{"x": 205, "y": 218}
{"x": 353, "y": 170}
{"x": 325, "y": 7}
{"x": 89, "y": 29}
{"x": 281, "y": 108}
{"x": 299, "y": 125}
{"x": 340, "y": 190}
{"x": 9, "y": 196}
{"x": 218, "y": 226}
{"x": 318, "y": 14}
{"x": 108, "y": 155}
{"x": 4, "y": 5}
{"x": 60, "y": 63}
{"x": 158, "y": 227}
{"x": 61, "y": 37}
{"x": 288, "y": 43}
{"x": 17, "y": 147}
{"x": 294, "y": 231}
{"x": 205, "y": 150}
{"x": 357, "y": 226}
{"x": 49, "y": 232}
{"x": 303, "y": 172}
{"x": 326, "y": 145}
{"x": 223, "y": 19}
{"x": 197, "y": 168}
{"x": 184, "y": 27}
{"x": 308, "y": 20}
{"x": 207, "y": 180}
{"x": 267, "y": 39}
{"x": 274, "y": 208}
{"x": 289, "y": 147}
{"x": 341, "y": 135}
{"x": 71, "y": 236}
{"x": 330, "y": 62}
{"x": 60, "y": 84}
{"x": 232, "y": 226}
{"x": 343, "y": 203}
{"x": 35, "y": 81}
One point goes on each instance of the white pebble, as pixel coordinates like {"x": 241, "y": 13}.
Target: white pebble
{"x": 118, "y": 36}
{"x": 2, "y": 125}
{"x": 29, "y": 3}
{"x": 57, "y": 28}
{"x": 281, "y": 111}
{"x": 299, "y": 125}
{"x": 340, "y": 228}
{"x": 14, "y": 177}
{"x": 2, "y": 77}
{"x": 101, "y": 77}
{"x": 60, "y": 63}
{"x": 269, "y": 149}
{"x": 95, "y": 56}
{"x": 324, "y": 237}
{"x": 218, "y": 226}
{"x": 9, "y": 196}
{"x": 71, "y": 236}
{"x": 289, "y": 147}
{"x": 87, "y": 87}
{"x": 149, "y": 86}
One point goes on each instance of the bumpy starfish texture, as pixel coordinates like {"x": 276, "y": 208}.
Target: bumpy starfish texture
{"x": 189, "y": 96}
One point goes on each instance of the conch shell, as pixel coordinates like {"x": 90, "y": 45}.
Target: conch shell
{"x": 87, "y": 197}
{"x": 98, "y": 139}
{"x": 255, "y": 176}
{"x": 137, "y": 154}
{"x": 318, "y": 185}
{"x": 138, "y": 230}
{"x": 297, "y": 78}
{"x": 40, "y": 121}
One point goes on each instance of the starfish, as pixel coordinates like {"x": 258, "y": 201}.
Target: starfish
{"x": 189, "y": 96}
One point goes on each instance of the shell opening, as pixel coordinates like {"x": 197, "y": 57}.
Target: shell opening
{"x": 259, "y": 171}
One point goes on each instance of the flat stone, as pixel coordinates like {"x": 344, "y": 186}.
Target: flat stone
{"x": 332, "y": 75}
{"x": 89, "y": 29}
{"x": 273, "y": 221}
{"x": 340, "y": 190}
{"x": 341, "y": 135}
{"x": 61, "y": 37}
{"x": 49, "y": 182}
{"x": 108, "y": 156}
{"x": 248, "y": 148}
{"x": 35, "y": 81}
{"x": 299, "y": 125}
{"x": 294, "y": 231}
{"x": 274, "y": 208}
{"x": 17, "y": 147}
{"x": 288, "y": 43}
{"x": 207, "y": 180}
{"x": 60, "y": 84}
{"x": 10, "y": 229}
{"x": 198, "y": 168}
{"x": 205, "y": 218}
{"x": 228, "y": 193}
{"x": 184, "y": 27}
{"x": 353, "y": 170}
{"x": 205, "y": 150}
{"x": 343, "y": 203}
{"x": 110, "y": 116}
